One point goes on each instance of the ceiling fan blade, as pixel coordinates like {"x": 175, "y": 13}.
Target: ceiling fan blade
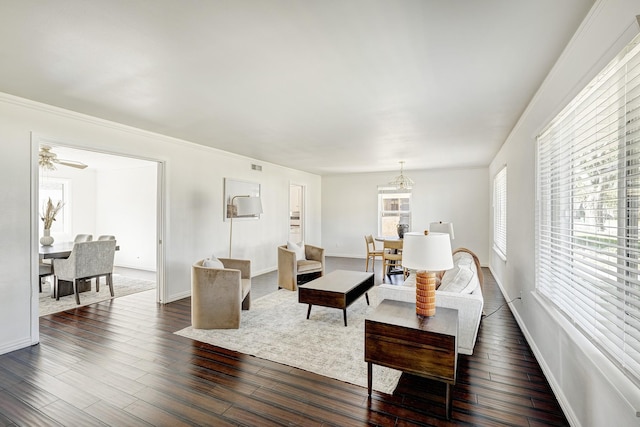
{"x": 70, "y": 163}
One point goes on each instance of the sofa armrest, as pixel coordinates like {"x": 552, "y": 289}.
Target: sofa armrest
{"x": 64, "y": 268}
{"x": 287, "y": 260}
{"x": 396, "y": 293}
{"x": 238, "y": 264}
{"x": 469, "y": 308}
{"x": 287, "y": 268}
{"x": 314, "y": 253}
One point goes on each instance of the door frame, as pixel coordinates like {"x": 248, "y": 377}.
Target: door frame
{"x": 36, "y": 141}
{"x": 303, "y": 210}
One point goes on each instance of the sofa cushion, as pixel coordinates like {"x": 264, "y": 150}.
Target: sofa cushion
{"x": 459, "y": 279}
{"x": 307, "y": 265}
{"x": 297, "y": 249}
{"x": 464, "y": 259}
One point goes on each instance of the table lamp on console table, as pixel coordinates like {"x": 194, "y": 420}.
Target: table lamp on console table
{"x": 427, "y": 253}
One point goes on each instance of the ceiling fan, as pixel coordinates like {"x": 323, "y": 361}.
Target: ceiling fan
{"x": 47, "y": 160}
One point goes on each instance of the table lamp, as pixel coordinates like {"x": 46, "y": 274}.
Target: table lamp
{"x": 427, "y": 253}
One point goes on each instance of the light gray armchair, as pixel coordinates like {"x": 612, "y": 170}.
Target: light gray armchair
{"x": 46, "y": 269}
{"x": 218, "y": 295}
{"x": 87, "y": 260}
{"x": 289, "y": 268}
{"x": 103, "y": 237}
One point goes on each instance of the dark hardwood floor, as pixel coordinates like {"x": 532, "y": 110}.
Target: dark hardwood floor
{"x": 118, "y": 363}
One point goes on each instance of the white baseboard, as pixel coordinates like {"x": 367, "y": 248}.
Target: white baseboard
{"x": 16, "y": 345}
{"x": 557, "y": 390}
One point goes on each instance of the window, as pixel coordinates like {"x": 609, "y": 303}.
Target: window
{"x": 500, "y": 213}
{"x": 588, "y": 209}
{"x": 58, "y": 190}
{"x": 394, "y": 207}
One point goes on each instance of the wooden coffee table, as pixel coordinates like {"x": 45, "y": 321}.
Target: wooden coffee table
{"x": 337, "y": 289}
{"x": 396, "y": 337}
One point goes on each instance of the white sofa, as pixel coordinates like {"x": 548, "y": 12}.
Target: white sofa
{"x": 460, "y": 288}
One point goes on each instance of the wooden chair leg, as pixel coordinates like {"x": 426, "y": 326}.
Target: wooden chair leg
{"x": 384, "y": 270}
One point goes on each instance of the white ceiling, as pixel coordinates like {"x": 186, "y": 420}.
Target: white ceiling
{"x": 325, "y": 86}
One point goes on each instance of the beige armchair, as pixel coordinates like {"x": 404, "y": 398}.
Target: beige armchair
{"x": 289, "y": 268}
{"x": 218, "y": 295}
{"x": 86, "y": 261}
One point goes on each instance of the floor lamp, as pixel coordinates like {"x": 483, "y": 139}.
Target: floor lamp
{"x": 247, "y": 206}
{"x": 442, "y": 227}
{"x": 427, "y": 253}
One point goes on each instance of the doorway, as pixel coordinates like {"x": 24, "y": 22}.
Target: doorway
{"x": 296, "y": 213}
{"x": 101, "y": 200}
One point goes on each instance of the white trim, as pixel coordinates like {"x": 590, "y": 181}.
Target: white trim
{"x": 625, "y": 388}
{"x": 72, "y": 115}
{"x": 161, "y": 165}
{"x": 498, "y": 252}
{"x": 35, "y": 233}
{"x": 500, "y": 212}
{"x": 548, "y": 373}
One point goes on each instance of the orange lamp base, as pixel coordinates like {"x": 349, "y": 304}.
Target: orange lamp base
{"x": 425, "y": 293}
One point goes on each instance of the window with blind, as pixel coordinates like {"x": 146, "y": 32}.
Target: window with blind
{"x": 500, "y": 213}
{"x": 588, "y": 205}
{"x": 394, "y": 207}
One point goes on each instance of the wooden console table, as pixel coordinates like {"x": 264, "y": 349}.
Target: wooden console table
{"x": 397, "y": 338}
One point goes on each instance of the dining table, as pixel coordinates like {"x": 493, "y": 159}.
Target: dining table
{"x": 56, "y": 250}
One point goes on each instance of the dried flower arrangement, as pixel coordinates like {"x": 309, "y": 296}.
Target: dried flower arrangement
{"x": 50, "y": 212}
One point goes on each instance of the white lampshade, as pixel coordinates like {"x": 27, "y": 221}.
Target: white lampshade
{"x": 248, "y": 206}
{"x": 431, "y": 252}
{"x": 442, "y": 227}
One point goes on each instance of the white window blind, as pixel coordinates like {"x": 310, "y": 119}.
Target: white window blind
{"x": 394, "y": 207}
{"x": 588, "y": 209}
{"x": 500, "y": 213}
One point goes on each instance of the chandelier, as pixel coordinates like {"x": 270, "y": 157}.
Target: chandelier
{"x": 402, "y": 182}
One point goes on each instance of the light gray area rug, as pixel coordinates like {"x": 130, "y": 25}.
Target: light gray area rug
{"x": 276, "y": 329}
{"x": 122, "y": 286}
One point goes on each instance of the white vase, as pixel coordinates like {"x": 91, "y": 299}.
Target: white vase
{"x": 46, "y": 239}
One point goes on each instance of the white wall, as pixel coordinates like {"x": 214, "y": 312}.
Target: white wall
{"x": 126, "y": 207}
{"x": 592, "y": 392}
{"x": 192, "y": 206}
{"x": 106, "y": 202}
{"x": 350, "y": 208}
